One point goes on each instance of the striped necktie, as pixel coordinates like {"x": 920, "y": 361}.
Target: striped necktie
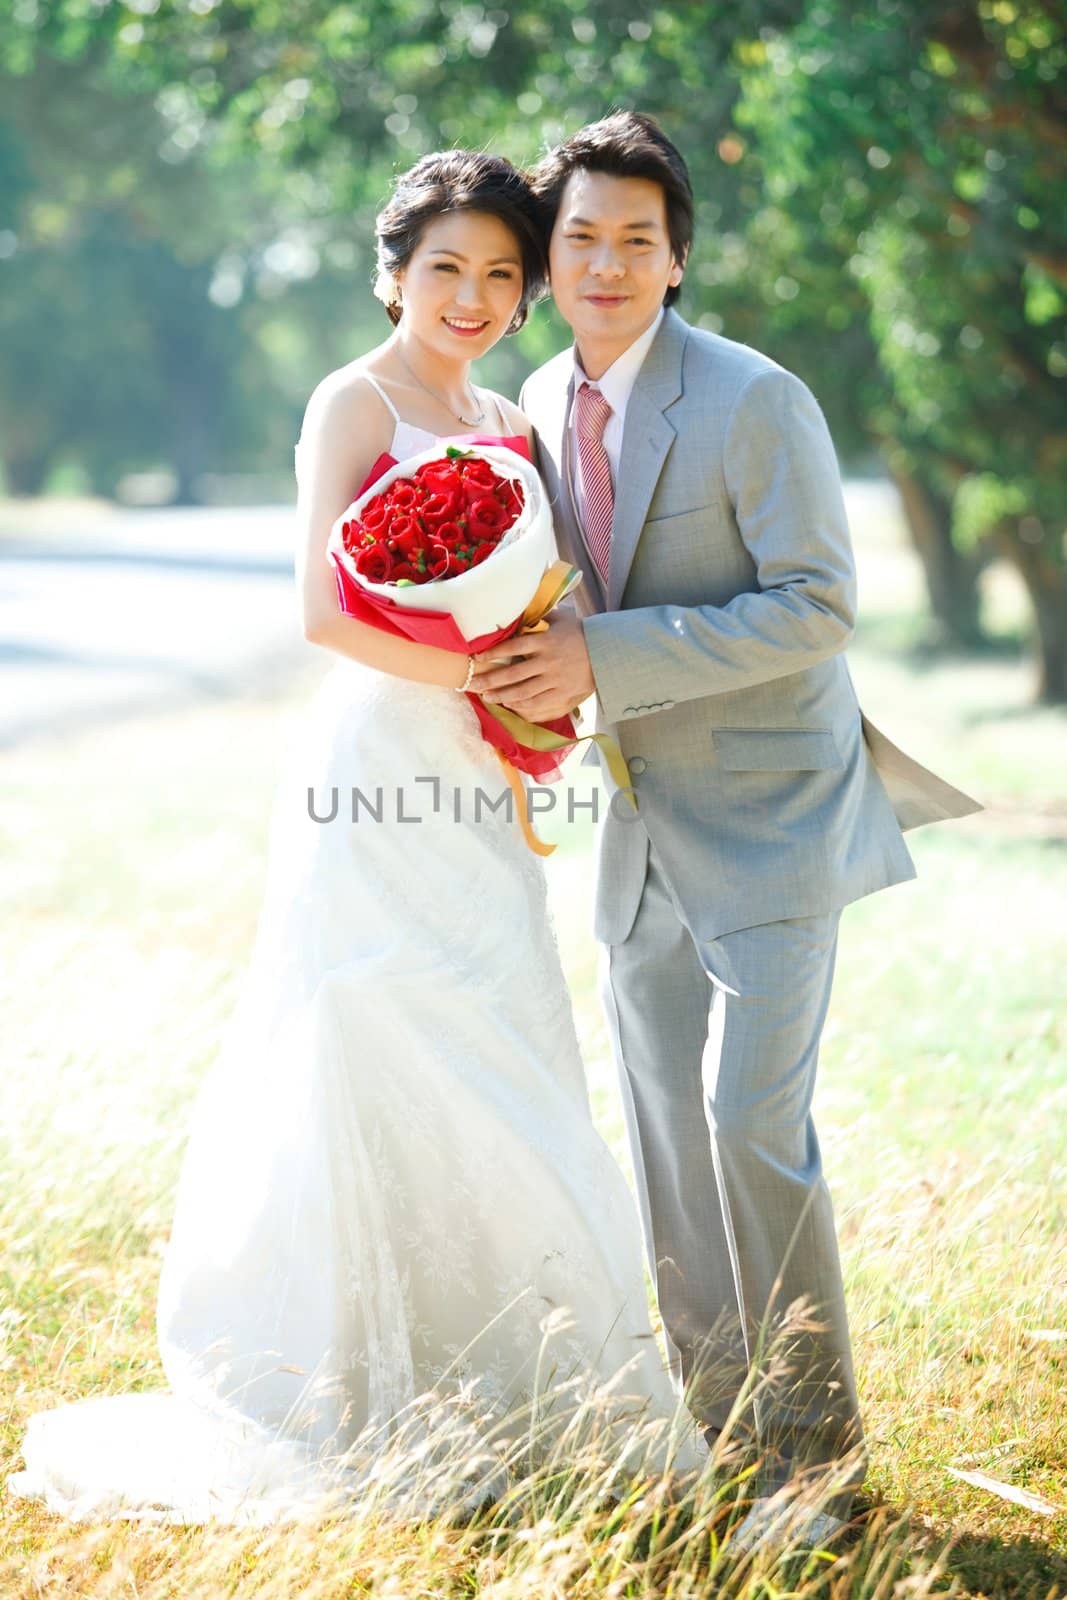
{"x": 598, "y": 497}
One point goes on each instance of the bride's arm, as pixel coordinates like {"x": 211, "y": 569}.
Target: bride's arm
{"x": 346, "y": 428}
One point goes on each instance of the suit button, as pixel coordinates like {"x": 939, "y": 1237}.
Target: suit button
{"x": 637, "y": 765}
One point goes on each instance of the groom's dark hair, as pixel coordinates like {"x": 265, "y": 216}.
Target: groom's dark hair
{"x": 628, "y": 144}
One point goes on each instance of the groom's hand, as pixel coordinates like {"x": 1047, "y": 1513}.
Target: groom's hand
{"x": 552, "y": 677}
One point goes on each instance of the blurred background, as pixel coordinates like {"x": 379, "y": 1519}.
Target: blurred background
{"x": 187, "y": 197}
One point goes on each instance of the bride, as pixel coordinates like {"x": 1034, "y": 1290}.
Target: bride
{"x": 393, "y": 1191}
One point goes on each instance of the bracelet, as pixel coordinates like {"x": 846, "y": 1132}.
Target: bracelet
{"x": 461, "y": 688}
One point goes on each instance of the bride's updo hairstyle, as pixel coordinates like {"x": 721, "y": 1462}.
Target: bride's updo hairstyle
{"x": 458, "y": 180}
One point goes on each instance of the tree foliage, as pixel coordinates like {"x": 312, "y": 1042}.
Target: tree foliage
{"x": 878, "y": 202}
{"x": 929, "y": 140}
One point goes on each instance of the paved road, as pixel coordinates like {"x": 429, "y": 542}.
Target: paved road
{"x": 114, "y": 611}
{"x": 107, "y": 611}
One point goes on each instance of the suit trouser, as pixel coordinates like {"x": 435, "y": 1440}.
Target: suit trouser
{"x": 737, "y": 1217}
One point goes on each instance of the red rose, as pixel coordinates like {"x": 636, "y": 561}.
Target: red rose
{"x": 480, "y": 473}
{"x": 438, "y": 477}
{"x": 404, "y": 569}
{"x": 404, "y": 532}
{"x": 441, "y": 561}
{"x": 403, "y": 495}
{"x": 439, "y": 509}
{"x": 374, "y": 563}
{"x": 487, "y": 518}
{"x": 374, "y": 514}
{"x": 448, "y": 534}
{"x": 511, "y": 498}
{"x": 445, "y": 486}
{"x": 429, "y": 468}
{"x": 481, "y": 553}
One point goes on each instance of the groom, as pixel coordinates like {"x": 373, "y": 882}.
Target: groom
{"x": 694, "y": 481}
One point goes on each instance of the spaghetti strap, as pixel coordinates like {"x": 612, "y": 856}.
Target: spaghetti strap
{"x": 484, "y": 394}
{"x": 376, "y": 386}
{"x": 487, "y": 394}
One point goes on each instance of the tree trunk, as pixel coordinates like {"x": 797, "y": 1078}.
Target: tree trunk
{"x": 194, "y": 403}
{"x": 951, "y": 576}
{"x": 1045, "y": 578}
{"x": 27, "y": 474}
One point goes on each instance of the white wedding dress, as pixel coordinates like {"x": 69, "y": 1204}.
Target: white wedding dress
{"x": 393, "y": 1187}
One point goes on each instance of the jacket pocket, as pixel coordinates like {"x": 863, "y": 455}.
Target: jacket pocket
{"x": 776, "y": 750}
{"x": 712, "y": 512}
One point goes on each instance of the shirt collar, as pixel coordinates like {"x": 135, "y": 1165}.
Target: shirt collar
{"x": 617, "y": 382}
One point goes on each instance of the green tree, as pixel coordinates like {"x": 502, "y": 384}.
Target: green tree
{"x": 875, "y": 197}
{"x": 937, "y": 133}
{"x": 114, "y": 354}
{"x": 322, "y": 116}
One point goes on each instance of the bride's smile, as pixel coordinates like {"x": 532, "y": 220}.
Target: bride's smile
{"x": 459, "y": 293}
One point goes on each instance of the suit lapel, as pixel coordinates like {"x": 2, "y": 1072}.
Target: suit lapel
{"x": 646, "y": 441}
{"x": 647, "y": 438}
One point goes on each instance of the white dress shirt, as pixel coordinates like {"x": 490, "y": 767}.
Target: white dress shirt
{"x": 616, "y": 386}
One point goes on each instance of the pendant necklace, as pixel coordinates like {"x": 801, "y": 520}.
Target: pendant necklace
{"x": 468, "y": 422}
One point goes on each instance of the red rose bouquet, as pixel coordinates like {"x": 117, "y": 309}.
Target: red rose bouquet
{"x": 449, "y": 516}
{"x": 455, "y": 548}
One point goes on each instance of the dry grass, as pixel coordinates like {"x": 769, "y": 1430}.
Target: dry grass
{"x": 133, "y": 859}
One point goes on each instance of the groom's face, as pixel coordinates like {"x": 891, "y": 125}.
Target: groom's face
{"x": 610, "y": 261}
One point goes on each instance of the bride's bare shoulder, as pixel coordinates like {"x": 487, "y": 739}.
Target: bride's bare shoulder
{"x": 345, "y": 397}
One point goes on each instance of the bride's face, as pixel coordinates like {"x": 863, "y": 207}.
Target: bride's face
{"x": 462, "y": 285}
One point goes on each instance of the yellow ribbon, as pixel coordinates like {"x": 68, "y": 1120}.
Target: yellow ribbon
{"x": 518, "y": 789}
{"x": 557, "y": 583}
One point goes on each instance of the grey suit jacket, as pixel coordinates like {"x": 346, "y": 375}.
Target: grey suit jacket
{"x": 717, "y": 648}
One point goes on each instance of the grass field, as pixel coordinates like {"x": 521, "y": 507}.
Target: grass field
{"x": 132, "y": 861}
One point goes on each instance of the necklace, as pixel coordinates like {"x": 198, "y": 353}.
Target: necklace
{"x": 468, "y": 422}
